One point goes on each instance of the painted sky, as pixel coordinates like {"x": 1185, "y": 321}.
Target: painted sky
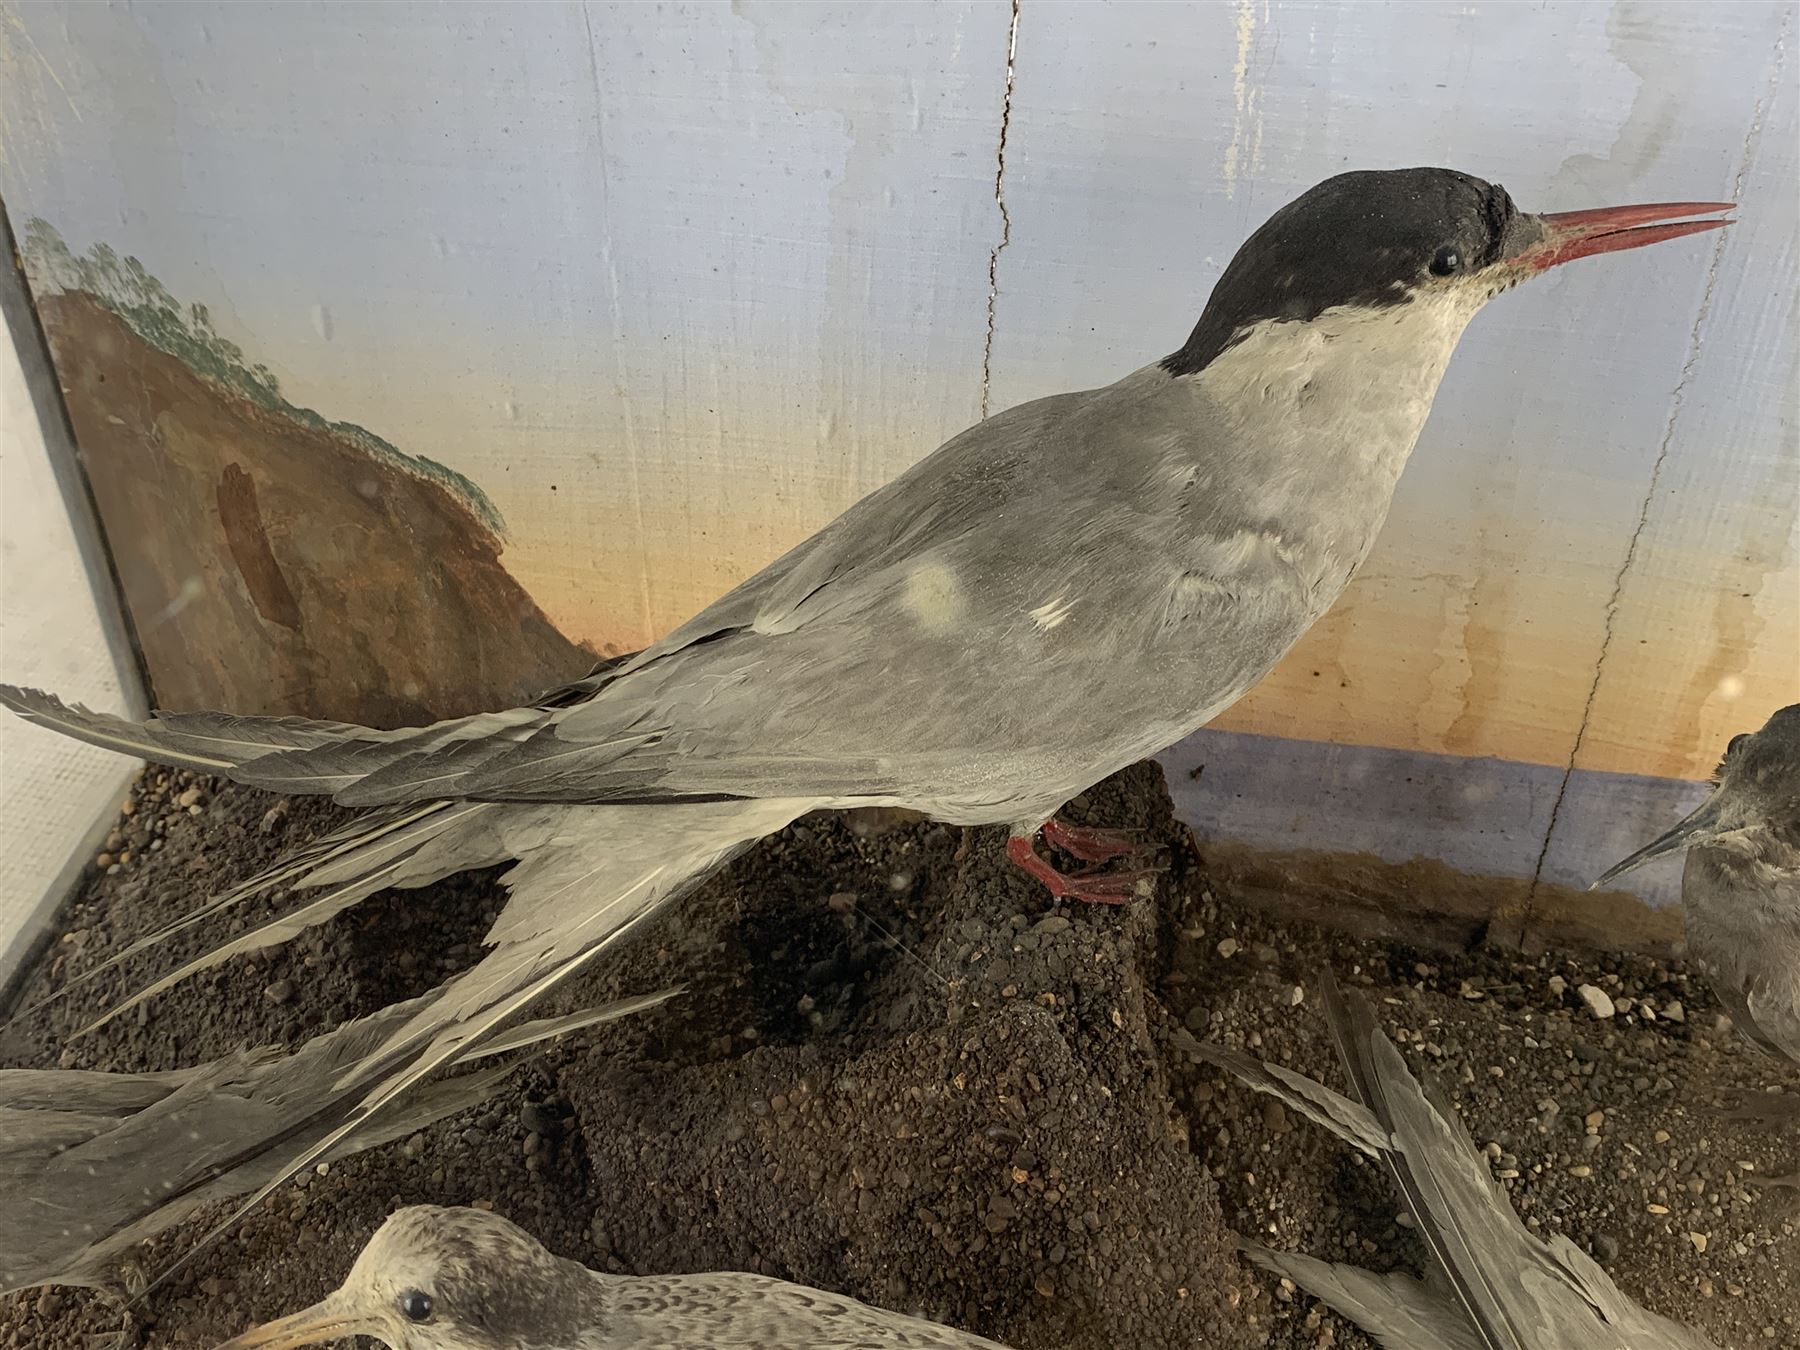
{"x": 674, "y": 284}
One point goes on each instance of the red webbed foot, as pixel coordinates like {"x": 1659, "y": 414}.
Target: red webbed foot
{"x": 1094, "y": 888}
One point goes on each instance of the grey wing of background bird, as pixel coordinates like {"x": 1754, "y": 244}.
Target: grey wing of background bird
{"x": 1746, "y": 945}
{"x": 92, "y": 1164}
{"x": 1491, "y": 1285}
{"x": 1766, "y": 1017}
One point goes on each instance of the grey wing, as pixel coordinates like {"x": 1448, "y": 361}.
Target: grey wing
{"x": 626, "y": 706}
{"x": 748, "y": 697}
{"x": 1014, "y": 599}
{"x": 1514, "y": 1290}
{"x": 1767, "y": 1012}
{"x": 940, "y": 496}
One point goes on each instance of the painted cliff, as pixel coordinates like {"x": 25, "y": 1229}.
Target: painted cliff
{"x": 273, "y": 560}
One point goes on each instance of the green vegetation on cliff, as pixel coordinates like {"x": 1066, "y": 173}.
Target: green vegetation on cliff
{"x": 123, "y": 286}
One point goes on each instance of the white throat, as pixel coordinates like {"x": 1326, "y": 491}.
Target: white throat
{"x": 1324, "y": 414}
{"x": 1355, "y": 382}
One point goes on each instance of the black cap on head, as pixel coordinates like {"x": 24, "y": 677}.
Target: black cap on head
{"x": 1368, "y": 238}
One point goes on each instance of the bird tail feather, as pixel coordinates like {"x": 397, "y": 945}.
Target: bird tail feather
{"x": 294, "y": 755}
{"x": 585, "y": 876}
{"x": 209, "y": 742}
{"x": 127, "y": 1156}
{"x": 1389, "y": 1116}
{"x": 1453, "y": 1198}
{"x": 402, "y": 847}
{"x": 582, "y": 875}
{"x": 1402, "y": 1311}
{"x": 1490, "y": 1284}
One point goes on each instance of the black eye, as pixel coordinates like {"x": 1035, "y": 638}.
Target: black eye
{"x": 1448, "y": 260}
{"x": 415, "y": 1305}
{"x": 1735, "y": 744}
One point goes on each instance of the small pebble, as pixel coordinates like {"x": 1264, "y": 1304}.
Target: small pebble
{"x": 1598, "y": 1001}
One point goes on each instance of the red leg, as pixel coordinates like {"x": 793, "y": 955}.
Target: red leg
{"x": 1095, "y": 888}
{"x": 1088, "y": 843}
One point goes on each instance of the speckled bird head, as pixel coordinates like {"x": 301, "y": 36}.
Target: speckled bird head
{"x": 446, "y": 1279}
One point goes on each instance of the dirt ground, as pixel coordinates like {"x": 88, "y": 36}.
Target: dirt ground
{"x": 902, "y": 1073}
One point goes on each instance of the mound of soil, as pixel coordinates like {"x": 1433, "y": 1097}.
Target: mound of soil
{"x": 900, "y": 1072}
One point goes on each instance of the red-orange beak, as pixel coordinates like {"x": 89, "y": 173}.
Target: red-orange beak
{"x": 1580, "y": 234}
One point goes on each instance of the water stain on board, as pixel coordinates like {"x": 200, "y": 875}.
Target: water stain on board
{"x": 1737, "y": 624}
